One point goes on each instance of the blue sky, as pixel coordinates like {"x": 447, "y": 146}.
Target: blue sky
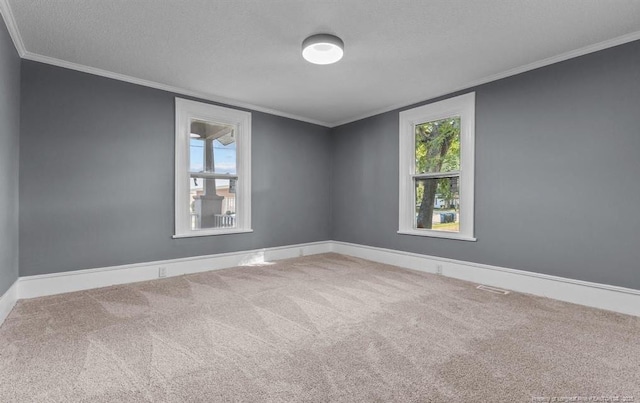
{"x": 224, "y": 157}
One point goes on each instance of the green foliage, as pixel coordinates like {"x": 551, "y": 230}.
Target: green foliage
{"x": 451, "y": 160}
{"x": 419, "y": 193}
{"x": 437, "y": 149}
{"x": 438, "y": 146}
{"x": 446, "y": 191}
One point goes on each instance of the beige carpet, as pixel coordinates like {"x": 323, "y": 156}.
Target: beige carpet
{"x": 313, "y": 329}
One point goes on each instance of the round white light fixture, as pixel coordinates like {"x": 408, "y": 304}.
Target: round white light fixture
{"x": 322, "y": 49}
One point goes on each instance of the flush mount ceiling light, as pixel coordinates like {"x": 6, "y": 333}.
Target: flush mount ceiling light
{"x": 322, "y": 49}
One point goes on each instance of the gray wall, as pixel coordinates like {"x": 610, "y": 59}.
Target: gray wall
{"x": 9, "y": 146}
{"x": 557, "y": 168}
{"x": 96, "y": 188}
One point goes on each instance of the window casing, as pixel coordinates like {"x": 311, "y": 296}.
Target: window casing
{"x": 212, "y": 171}
{"x": 436, "y": 183}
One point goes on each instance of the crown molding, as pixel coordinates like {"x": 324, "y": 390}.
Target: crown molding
{"x": 165, "y": 87}
{"x": 620, "y": 40}
{"x": 12, "y": 27}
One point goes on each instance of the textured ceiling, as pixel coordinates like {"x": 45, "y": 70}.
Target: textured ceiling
{"x": 396, "y": 51}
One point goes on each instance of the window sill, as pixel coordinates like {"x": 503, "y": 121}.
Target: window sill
{"x": 438, "y": 234}
{"x": 211, "y": 233}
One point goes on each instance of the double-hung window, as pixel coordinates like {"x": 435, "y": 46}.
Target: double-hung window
{"x": 437, "y": 147}
{"x": 213, "y": 170}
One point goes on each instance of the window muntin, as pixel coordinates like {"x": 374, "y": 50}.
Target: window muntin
{"x": 436, "y": 169}
{"x": 212, "y": 169}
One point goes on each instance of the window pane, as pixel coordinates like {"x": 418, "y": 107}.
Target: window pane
{"x": 212, "y": 203}
{"x": 224, "y": 156}
{"x": 196, "y": 155}
{"x": 438, "y": 204}
{"x": 437, "y": 147}
{"x": 212, "y": 148}
{"x": 213, "y": 169}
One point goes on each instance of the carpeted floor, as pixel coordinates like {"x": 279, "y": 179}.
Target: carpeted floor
{"x": 313, "y": 329}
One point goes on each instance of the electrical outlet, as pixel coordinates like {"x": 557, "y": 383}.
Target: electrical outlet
{"x": 438, "y": 269}
{"x": 162, "y": 272}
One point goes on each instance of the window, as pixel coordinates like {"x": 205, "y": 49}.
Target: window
{"x": 437, "y": 169}
{"x": 213, "y": 170}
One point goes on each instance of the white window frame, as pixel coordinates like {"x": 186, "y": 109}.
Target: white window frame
{"x": 187, "y": 110}
{"x": 463, "y": 106}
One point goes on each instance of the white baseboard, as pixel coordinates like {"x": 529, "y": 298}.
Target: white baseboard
{"x": 8, "y": 301}
{"x": 58, "y": 283}
{"x": 612, "y": 298}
